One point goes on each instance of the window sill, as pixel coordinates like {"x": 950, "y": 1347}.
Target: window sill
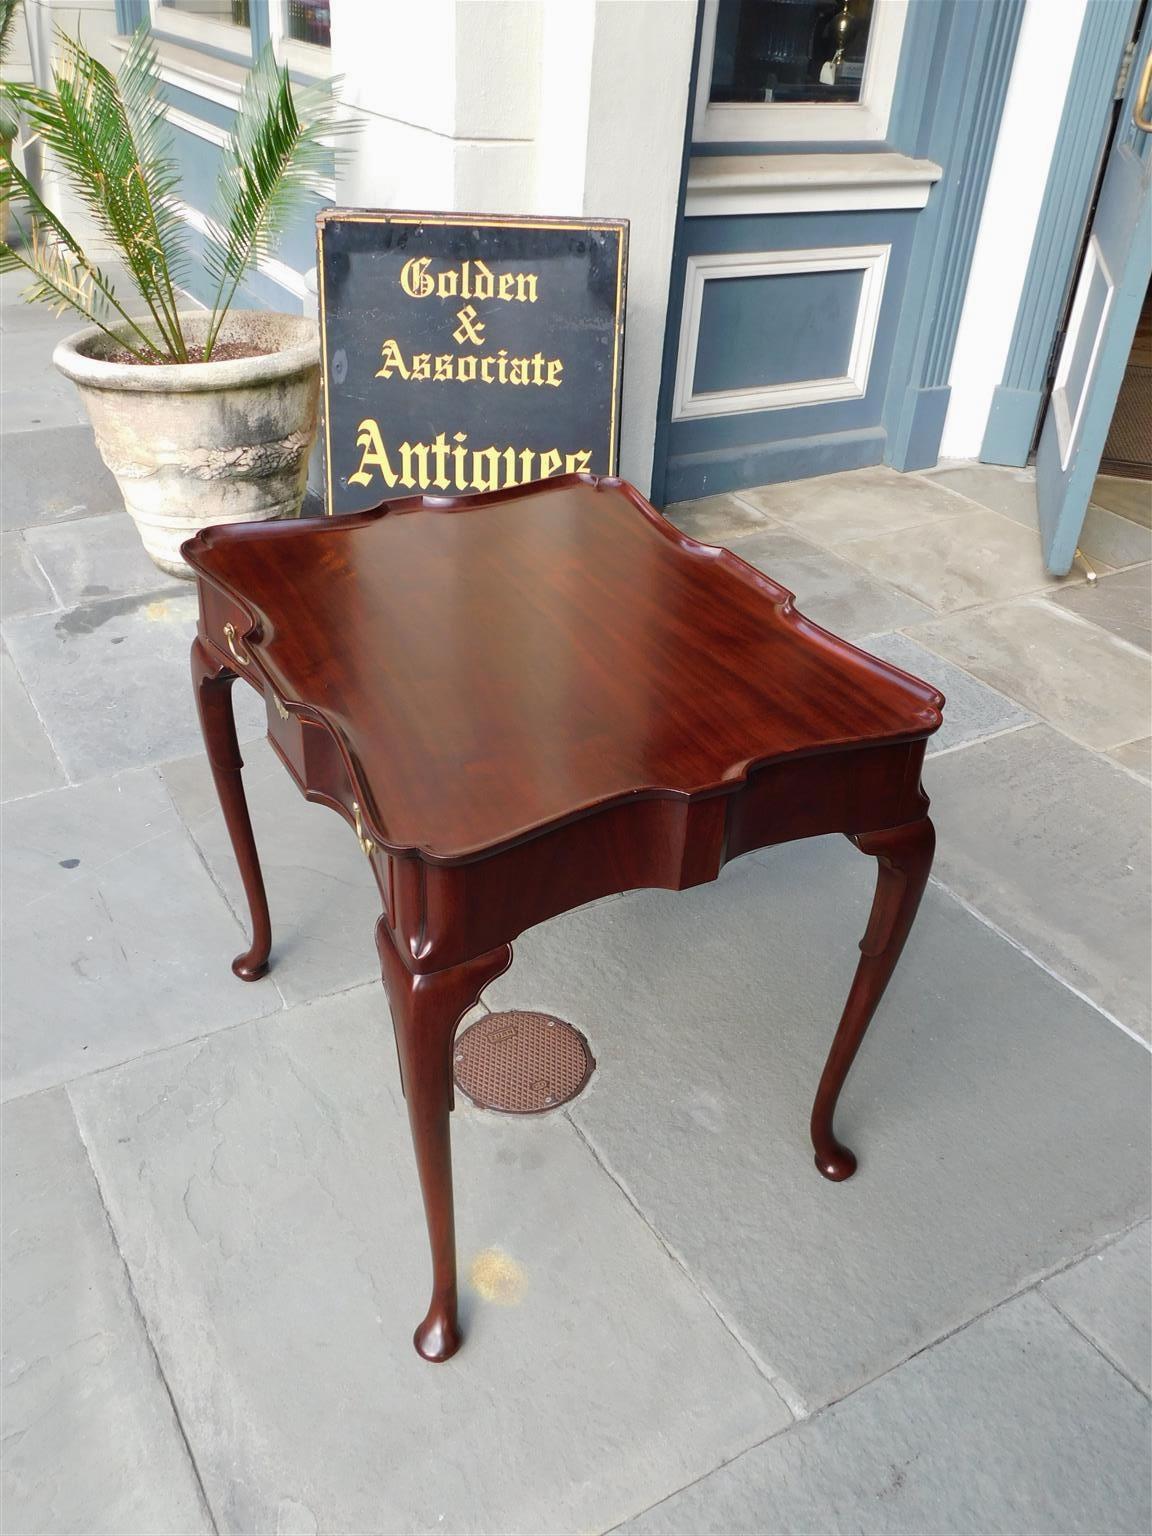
{"x": 814, "y": 183}
{"x": 201, "y": 74}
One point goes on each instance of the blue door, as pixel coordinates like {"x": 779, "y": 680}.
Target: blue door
{"x": 1109, "y": 293}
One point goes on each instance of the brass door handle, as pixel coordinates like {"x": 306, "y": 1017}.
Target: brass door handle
{"x": 1140, "y": 105}
{"x": 230, "y": 636}
{"x": 367, "y": 846}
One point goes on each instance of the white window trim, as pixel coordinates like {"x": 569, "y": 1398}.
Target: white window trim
{"x": 200, "y": 29}
{"x": 304, "y": 58}
{"x": 872, "y": 260}
{"x": 801, "y": 122}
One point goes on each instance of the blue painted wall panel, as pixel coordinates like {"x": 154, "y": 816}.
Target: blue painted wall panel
{"x": 775, "y": 329}
{"x": 762, "y": 433}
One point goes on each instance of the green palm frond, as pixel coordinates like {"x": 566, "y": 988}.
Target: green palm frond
{"x": 275, "y": 158}
{"x": 8, "y": 10}
{"x": 60, "y": 274}
{"x": 105, "y": 132}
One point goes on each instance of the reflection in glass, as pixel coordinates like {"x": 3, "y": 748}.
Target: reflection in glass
{"x": 309, "y": 21}
{"x": 790, "y": 50}
{"x": 230, "y": 12}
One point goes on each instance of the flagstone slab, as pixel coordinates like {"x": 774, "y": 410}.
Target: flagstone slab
{"x": 1077, "y": 676}
{"x": 23, "y": 585}
{"x": 972, "y": 710}
{"x": 1108, "y": 1296}
{"x": 91, "y": 1444}
{"x": 97, "y": 557}
{"x": 323, "y": 900}
{"x": 262, "y": 1187}
{"x": 1013, "y": 1425}
{"x": 116, "y": 941}
{"x": 1051, "y": 842}
{"x": 828, "y": 590}
{"x": 1136, "y": 756}
{"x": 1120, "y": 603}
{"x": 55, "y": 478}
{"x": 28, "y": 765}
{"x": 1002, "y": 1124}
{"x": 831, "y": 509}
{"x": 33, "y": 395}
{"x": 716, "y": 519}
{"x": 949, "y": 564}
{"x": 111, "y": 680}
{"x": 1001, "y": 489}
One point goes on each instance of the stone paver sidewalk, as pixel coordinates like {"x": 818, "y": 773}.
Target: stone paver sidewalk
{"x": 214, "y": 1249}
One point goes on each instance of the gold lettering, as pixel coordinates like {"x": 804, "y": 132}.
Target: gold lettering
{"x": 471, "y": 327}
{"x": 518, "y": 371}
{"x": 483, "y": 282}
{"x": 440, "y": 454}
{"x": 459, "y": 454}
{"x": 374, "y": 454}
{"x": 486, "y": 479}
{"x": 409, "y": 456}
{"x": 471, "y": 280}
{"x": 414, "y": 278}
{"x": 450, "y": 463}
{"x": 466, "y": 369}
{"x": 393, "y": 360}
{"x": 422, "y": 365}
{"x": 444, "y": 363}
{"x": 555, "y": 369}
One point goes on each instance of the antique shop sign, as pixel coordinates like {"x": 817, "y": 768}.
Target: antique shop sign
{"x": 467, "y": 353}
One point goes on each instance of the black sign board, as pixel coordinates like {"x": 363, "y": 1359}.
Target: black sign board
{"x": 466, "y": 352}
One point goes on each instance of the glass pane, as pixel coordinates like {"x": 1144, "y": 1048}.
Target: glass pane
{"x": 790, "y": 50}
{"x": 230, "y": 12}
{"x": 309, "y": 21}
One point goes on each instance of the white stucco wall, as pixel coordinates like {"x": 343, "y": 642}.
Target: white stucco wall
{"x": 531, "y": 106}
{"x": 1032, "y": 110}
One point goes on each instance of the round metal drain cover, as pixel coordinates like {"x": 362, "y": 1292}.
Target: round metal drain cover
{"x": 521, "y": 1063}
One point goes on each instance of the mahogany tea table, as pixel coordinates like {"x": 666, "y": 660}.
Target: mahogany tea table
{"x": 530, "y": 698}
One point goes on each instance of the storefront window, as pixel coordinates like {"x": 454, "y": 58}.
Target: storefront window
{"x": 790, "y": 50}
{"x": 308, "y": 21}
{"x": 225, "y": 12}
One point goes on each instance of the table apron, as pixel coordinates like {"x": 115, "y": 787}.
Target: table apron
{"x": 441, "y": 915}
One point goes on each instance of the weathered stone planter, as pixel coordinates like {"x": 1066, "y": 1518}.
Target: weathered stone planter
{"x": 192, "y": 444}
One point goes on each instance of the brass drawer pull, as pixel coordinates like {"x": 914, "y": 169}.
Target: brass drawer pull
{"x": 279, "y": 703}
{"x": 230, "y": 636}
{"x": 367, "y": 846}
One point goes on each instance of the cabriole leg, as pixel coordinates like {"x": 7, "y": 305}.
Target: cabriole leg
{"x": 213, "y": 684}
{"x": 425, "y": 1012}
{"x": 904, "y": 857}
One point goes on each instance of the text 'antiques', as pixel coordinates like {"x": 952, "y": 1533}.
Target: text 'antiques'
{"x": 465, "y": 354}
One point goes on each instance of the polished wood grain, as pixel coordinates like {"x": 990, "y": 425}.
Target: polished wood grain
{"x": 526, "y": 700}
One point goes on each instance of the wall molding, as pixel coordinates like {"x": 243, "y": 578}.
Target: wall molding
{"x": 870, "y": 260}
{"x": 712, "y": 471}
{"x": 960, "y": 125}
{"x": 720, "y": 185}
{"x": 1080, "y": 143}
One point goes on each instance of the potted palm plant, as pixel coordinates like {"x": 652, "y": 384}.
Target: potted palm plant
{"x": 203, "y": 416}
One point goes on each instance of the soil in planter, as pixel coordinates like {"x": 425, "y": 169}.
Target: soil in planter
{"x": 222, "y": 352}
